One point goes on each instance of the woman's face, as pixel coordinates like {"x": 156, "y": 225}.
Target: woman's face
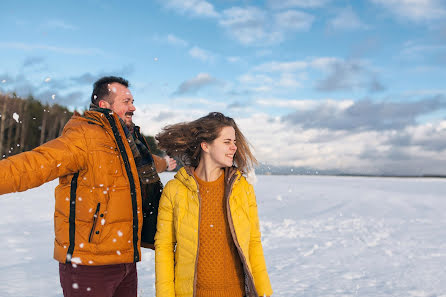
{"x": 222, "y": 150}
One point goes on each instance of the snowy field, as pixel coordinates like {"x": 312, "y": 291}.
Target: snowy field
{"x": 322, "y": 236}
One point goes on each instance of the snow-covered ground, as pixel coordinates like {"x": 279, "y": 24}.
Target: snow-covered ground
{"x": 322, "y": 236}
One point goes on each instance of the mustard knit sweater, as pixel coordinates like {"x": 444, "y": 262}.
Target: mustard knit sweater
{"x": 219, "y": 269}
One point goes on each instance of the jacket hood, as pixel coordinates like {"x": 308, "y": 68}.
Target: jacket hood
{"x": 186, "y": 176}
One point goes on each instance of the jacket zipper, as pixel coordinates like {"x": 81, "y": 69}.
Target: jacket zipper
{"x": 132, "y": 180}
{"x": 95, "y": 219}
{"x": 198, "y": 236}
{"x": 250, "y": 284}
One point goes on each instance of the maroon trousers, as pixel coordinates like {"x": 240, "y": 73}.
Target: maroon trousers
{"x": 117, "y": 280}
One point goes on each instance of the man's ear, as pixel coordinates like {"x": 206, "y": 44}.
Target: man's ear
{"x": 104, "y": 104}
{"x": 204, "y": 146}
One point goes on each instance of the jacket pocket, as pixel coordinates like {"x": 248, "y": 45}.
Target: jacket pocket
{"x": 95, "y": 219}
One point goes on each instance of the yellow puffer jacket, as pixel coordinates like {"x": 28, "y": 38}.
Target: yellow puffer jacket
{"x": 176, "y": 240}
{"x": 97, "y": 218}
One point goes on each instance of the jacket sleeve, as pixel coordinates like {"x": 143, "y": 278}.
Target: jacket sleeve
{"x": 61, "y": 156}
{"x": 256, "y": 257}
{"x": 164, "y": 246}
{"x": 160, "y": 163}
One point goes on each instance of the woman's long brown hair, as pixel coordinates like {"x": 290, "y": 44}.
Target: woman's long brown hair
{"x": 183, "y": 140}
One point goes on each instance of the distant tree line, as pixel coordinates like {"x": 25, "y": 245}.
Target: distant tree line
{"x": 27, "y": 123}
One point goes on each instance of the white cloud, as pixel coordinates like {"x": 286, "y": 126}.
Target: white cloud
{"x": 288, "y": 80}
{"x": 324, "y": 63}
{"x": 294, "y": 20}
{"x": 256, "y": 26}
{"x": 152, "y": 118}
{"x": 281, "y": 75}
{"x": 201, "y": 8}
{"x": 194, "y": 101}
{"x": 255, "y": 79}
{"x": 278, "y": 142}
{"x": 261, "y": 83}
{"x": 64, "y": 50}
{"x": 297, "y": 3}
{"x": 415, "y": 10}
{"x": 174, "y": 40}
{"x": 346, "y": 75}
{"x": 275, "y": 66}
{"x": 261, "y": 89}
{"x": 346, "y": 19}
{"x": 238, "y": 16}
{"x": 201, "y": 54}
{"x": 194, "y": 84}
{"x": 339, "y": 74}
{"x": 249, "y": 25}
{"x": 263, "y": 53}
{"x": 307, "y": 104}
{"x": 422, "y": 51}
{"x": 59, "y": 24}
{"x": 233, "y": 59}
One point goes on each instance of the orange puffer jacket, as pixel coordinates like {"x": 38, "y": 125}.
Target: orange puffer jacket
{"x": 97, "y": 218}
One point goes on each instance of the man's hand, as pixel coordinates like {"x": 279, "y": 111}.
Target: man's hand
{"x": 171, "y": 163}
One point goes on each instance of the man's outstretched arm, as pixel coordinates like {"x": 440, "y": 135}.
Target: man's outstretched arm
{"x": 61, "y": 156}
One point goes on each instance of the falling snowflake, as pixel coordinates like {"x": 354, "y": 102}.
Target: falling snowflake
{"x": 15, "y": 116}
{"x": 76, "y": 260}
{"x": 75, "y": 286}
{"x": 120, "y": 233}
{"x": 48, "y": 79}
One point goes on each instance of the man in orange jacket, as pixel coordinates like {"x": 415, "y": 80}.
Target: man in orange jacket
{"x": 108, "y": 186}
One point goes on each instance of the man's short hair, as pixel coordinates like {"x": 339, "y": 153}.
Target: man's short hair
{"x": 101, "y": 89}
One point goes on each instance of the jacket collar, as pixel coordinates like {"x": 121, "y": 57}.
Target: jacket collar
{"x": 94, "y": 107}
{"x": 186, "y": 176}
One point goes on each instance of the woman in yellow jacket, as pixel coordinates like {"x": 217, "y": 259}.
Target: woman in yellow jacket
{"x": 208, "y": 237}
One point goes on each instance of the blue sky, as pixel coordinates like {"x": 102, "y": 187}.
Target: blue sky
{"x": 356, "y": 86}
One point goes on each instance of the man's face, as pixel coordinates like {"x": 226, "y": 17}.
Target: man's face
{"x": 122, "y": 102}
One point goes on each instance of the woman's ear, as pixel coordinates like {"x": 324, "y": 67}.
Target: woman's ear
{"x": 204, "y": 146}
